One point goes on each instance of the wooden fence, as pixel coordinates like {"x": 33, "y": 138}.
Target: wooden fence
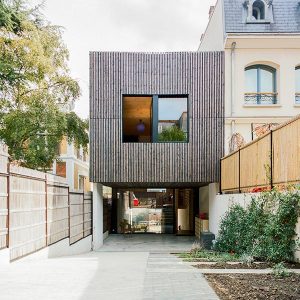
{"x": 272, "y": 160}
{"x": 37, "y": 209}
{"x": 3, "y": 196}
{"x": 57, "y": 209}
{"x": 27, "y": 211}
{"x": 80, "y": 215}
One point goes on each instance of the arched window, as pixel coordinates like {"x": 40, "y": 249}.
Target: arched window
{"x": 260, "y": 85}
{"x": 258, "y": 10}
{"x": 297, "y": 87}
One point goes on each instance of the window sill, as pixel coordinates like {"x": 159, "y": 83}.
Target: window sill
{"x": 265, "y": 21}
{"x": 297, "y": 105}
{"x": 262, "y": 105}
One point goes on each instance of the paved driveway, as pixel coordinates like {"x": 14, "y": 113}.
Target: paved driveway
{"x": 104, "y": 275}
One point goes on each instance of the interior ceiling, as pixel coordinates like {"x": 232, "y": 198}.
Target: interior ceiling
{"x": 168, "y": 185}
{"x": 136, "y": 109}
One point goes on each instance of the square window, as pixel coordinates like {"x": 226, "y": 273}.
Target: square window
{"x": 172, "y": 119}
{"x": 156, "y": 118}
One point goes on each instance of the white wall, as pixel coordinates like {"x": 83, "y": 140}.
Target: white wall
{"x": 219, "y": 204}
{"x": 97, "y": 216}
{"x": 59, "y": 249}
{"x": 213, "y": 38}
{"x": 297, "y": 254}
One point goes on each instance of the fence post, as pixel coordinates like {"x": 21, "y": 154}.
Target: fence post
{"x": 271, "y": 159}
{"x": 220, "y": 185}
{"x": 83, "y": 215}
{"x": 7, "y": 201}
{"x": 239, "y": 170}
{"x": 69, "y": 214}
{"x": 46, "y": 208}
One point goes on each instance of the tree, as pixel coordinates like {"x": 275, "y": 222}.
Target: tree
{"x": 34, "y": 84}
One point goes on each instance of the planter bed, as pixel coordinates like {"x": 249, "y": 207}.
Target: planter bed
{"x": 255, "y": 286}
{"x": 239, "y": 265}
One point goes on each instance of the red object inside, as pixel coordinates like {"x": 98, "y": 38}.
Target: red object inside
{"x": 136, "y": 202}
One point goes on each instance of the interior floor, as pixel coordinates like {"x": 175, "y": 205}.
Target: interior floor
{"x": 159, "y": 243}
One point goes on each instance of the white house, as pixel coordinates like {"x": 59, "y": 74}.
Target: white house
{"x": 73, "y": 162}
{"x": 261, "y": 40}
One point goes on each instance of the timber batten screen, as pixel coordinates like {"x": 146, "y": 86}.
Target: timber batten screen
{"x": 198, "y": 75}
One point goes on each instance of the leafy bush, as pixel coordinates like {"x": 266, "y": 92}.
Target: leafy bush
{"x": 280, "y": 271}
{"x": 172, "y": 134}
{"x": 265, "y": 229}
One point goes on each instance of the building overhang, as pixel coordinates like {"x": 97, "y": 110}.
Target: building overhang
{"x": 169, "y": 185}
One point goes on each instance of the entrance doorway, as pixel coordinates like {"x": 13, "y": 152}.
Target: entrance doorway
{"x": 146, "y": 211}
{"x": 154, "y": 210}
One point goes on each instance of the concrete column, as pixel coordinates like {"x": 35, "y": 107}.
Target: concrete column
{"x": 97, "y": 216}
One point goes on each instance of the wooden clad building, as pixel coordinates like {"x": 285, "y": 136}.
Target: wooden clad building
{"x": 156, "y": 119}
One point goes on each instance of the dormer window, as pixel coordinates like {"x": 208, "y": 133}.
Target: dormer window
{"x": 258, "y": 10}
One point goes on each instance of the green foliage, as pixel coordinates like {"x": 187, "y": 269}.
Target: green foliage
{"x": 35, "y": 84}
{"x": 205, "y": 255}
{"x": 172, "y": 134}
{"x": 280, "y": 271}
{"x": 265, "y": 230}
{"x": 232, "y": 229}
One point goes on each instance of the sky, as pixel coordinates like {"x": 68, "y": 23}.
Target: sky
{"x": 124, "y": 25}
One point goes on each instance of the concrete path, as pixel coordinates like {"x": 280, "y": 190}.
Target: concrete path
{"x": 106, "y": 276}
{"x": 168, "y": 278}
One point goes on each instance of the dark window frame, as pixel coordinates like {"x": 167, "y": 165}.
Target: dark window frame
{"x": 297, "y": 93}
{"x": 154, "y": 117}
{"x": 262, "y": 10}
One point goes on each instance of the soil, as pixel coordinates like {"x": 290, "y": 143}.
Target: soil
{"x": 255, "y": 286}
{"x": 256, "y": 265}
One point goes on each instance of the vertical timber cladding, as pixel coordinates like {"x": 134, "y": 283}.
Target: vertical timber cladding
{"x": 196, "y": 74}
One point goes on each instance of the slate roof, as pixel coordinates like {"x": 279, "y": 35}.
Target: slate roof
{"x": 286, "y": 15}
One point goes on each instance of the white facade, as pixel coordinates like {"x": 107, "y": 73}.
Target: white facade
{"x": 73, "y": 164}
{"x": 280, "y": 51}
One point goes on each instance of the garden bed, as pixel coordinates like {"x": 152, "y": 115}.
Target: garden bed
{"x": 255, "y": 286}
{"x": 240, "y": 265}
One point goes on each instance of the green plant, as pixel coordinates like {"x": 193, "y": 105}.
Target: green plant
{"x": 196, "y": 247}
{"x": 206, "y": 255}
{"x": 280, "y": 271}
{"x": 247, "y": 259}
{"x": 232, "y": 230}
{"x": 265, "y": 229}
{"x": 172, "y": 134}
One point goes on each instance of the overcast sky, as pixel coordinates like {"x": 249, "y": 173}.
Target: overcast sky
{"x": 124, "y": 25}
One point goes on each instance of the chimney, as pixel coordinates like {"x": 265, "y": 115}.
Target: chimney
{"x": 211, "y": 11}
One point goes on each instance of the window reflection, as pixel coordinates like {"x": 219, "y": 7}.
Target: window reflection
{"x": 172, "y": 119}
{"x": 260, "y": 85}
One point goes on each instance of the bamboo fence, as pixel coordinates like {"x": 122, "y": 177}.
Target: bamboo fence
{"x": 27, "y": 211}
{"x": 3, "y": 197}
{"x": 272, "y": 160}
{"x": 57, "y": 209}
{"x": 80, "y": 215}
{"x": 38, "y": 210}
{"x": 87, "y": 214}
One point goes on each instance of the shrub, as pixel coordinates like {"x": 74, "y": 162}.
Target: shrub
{"x": 231, "y": 231}
{"x": 264, "y": 230}
{"x": 280, "y": 271}
{"x": 172, "y": 134}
